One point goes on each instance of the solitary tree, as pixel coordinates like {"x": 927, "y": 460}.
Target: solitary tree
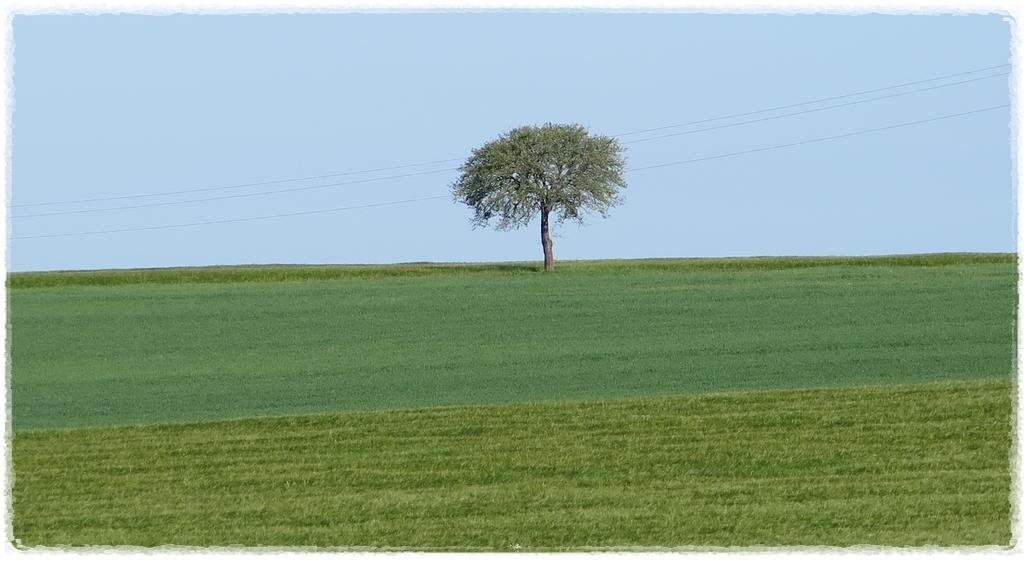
{"x": 552, "y": 169}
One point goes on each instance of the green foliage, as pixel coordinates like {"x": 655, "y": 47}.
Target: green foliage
{"x": 553, "y": 168}
{"x": 911, "y": 465}
{"x": 124, "y": 354}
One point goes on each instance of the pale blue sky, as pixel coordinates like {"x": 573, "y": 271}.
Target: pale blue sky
{"x": 107, "y": 106}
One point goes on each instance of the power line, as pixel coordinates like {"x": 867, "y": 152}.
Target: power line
{"x": 338, "y": 184}
{"x": 244, "y": 219}
{"x": 256, "y": 194}
{"x": 239, "y": 185}
{"x": 810, "y": 102}
{"x": 827, "y": 107}
{"x": 447, "y": 160}
{"x": 662, "y": 165}
{"x": 819, "y": 139}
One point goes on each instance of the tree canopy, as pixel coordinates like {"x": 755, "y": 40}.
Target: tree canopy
{"x": 558, "y": 170}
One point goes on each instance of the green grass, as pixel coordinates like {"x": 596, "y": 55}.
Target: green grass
{"x": 127, "y": 354}
{"x": 923, "y": 464}
{"x": 276, "y": 273}
{"x": 583, "y": 409}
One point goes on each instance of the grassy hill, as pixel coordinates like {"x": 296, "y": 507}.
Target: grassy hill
{"x": 643, "y": 403}
{"x": 898, "y": 465}
{"x": 274, "y": 273}
{"x": 84, "y": 355}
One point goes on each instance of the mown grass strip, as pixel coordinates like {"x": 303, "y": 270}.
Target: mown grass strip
{"x": 898, "y": 465}
{"x": 279, "y": 273}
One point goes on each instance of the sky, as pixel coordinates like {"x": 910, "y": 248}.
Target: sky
{"x": 111, "y": 107}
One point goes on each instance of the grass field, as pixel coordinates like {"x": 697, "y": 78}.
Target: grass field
{"x": 275, "y": 273}
{"x": 811, "y": 401}
{"x": 922, "y": 464}
{"x": 145, "y": 353}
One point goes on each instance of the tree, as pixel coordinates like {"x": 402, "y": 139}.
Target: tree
{"x": 559, "y": 170}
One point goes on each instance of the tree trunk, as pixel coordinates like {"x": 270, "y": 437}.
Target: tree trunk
{"x": 545, "y": 240}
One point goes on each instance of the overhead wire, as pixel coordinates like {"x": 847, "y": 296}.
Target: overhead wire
{"x": 806, "y": 111}
{"x": 243, "y": 219}
{"x": 447, "y": 160}
{"x": 406, "y": 201}
{"x": 370, "y": 180}
{"x": 810, "y": 102}
{"x": 819, "y": 139}
{"x": 239, "y": 196}
{"x": 237, "y": 186}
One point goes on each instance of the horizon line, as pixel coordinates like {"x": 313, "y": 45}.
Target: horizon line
{"x": 513, "y": 262}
